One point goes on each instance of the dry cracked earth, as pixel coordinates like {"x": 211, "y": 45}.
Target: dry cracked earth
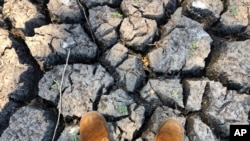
{"x": 138, "y": 62}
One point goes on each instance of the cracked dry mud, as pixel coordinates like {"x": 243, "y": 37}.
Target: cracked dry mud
{"x": 138, "y": 63}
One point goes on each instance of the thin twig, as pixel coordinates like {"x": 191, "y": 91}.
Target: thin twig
{"x": 84, "y": 13}
{"x": 60, "y": 96}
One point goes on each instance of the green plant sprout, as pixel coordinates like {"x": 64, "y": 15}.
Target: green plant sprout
{"x": 73, "y": 135}
{"x": 190, "y": 53}
{"x": 117, "y": 14}
{"x": 73, "y": 138}
{"x": 53, "y": 87}
{"x": 137, "y": 1}
{"x": 122, "y": 109}
{"x": 103, "y": 106}
{"x": 233, "y": 10}
{"x": 175, "y": 94}
{"x": 194, "y": 46}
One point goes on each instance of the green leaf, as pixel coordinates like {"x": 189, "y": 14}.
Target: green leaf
{"x": 53, "y": 87}
{"x": 175, "y": 94}
{"x": 117, "y": 14}
{"x": 137, "y": 1}
{"x": 195, "y": 45}
{"x": 122, "y": 109}
{"x": 233, "y": 10}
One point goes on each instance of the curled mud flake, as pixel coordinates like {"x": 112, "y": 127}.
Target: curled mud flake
{"x": 148, "y": 9}
{"x": 105, "y": 21}
{"x": 36, "y": 124}
{"x": 138, "y": 32}
{"x": 50, "y": 43}
{"x": 85, "y": 81}
{"x": 231, "y": 60}
{"x": 24, "y": 15}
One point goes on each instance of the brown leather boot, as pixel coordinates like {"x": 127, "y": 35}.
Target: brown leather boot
{"x": 170, "y": 130}
{"x": 93, "y": 127}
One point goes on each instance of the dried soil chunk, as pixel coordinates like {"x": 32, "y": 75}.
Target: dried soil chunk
{"x": 183, "y": 46}
{"x": 6, "y": 112}
{"x": 199, "y": 131}
{"x": 230, "y": 64}
{"x": 116, "y": 54}
{"x": 132, "y": 124}
{"x": 155, "y": 9}
{"x": 93, "y": 3}
{"x": 138, "y": 32}
{"x": 30, "y": 123}
{"x": 50, "y": 83}
{"x": 131, "y": 73}
{"x": 50, "y": 43}
{"x": 194, "y": 90}
{"x": 125, "y": 128}
{"x": 24, "y": 15}
{"x": 82, "y": 85}
{"x": 160, "y": 115}
{"x": 235, "y": 19}
{"x": 114, "y": 132}
{"x": 168, "y": 91}
{"x": 8, "y": 82}
{"x": 104, "y": 21}
{"x": 116, "y": 104}
{"x": 222, "y": 108}
{"x": 204, "y": 11}
{"x": 146, "y": 8}
{"x": 65, "y": 11}
{"x": 17, "y": 80}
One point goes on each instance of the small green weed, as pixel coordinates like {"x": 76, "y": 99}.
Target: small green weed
{"x": 74, "y": 135}
{"x": 73, "y": 138}
{"x": 103, "y": 106}
{"x": 190, "y": 53}
{"x": 175, "y": 94}
{"x": 233, "y": 10}
{"x": 117, "y": 15}
{"x": 194, "y": 46}
{"x": 122, "y": 109}
{"x": 136, "y": 1}
{"x": 53, "y": 87}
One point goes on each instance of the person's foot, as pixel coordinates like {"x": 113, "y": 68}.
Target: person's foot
{"x": 93, "y": 127}
{"x": 170, "y": 130}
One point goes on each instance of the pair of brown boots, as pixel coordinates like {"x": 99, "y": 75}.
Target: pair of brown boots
{"x": 93, "y": 127}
